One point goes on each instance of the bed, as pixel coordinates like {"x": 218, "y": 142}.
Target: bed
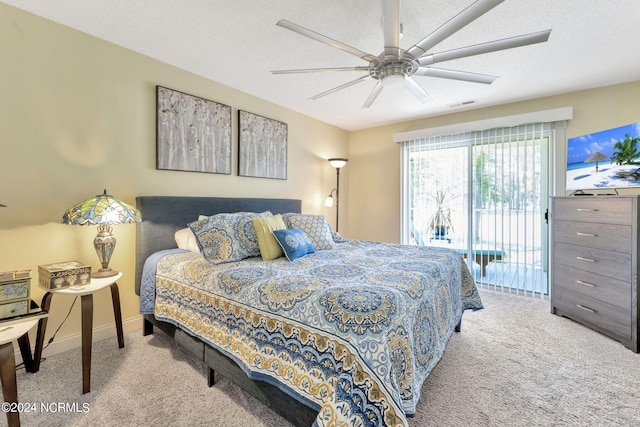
{"x": 344, "y": 335}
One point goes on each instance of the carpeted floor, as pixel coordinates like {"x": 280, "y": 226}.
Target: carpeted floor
{"x": 513, "y": 364}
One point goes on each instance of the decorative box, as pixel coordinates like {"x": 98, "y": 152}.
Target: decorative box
{"x": 64, "y": 274}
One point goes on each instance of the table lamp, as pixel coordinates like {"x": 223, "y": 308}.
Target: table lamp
{"x": 104, "y": 211}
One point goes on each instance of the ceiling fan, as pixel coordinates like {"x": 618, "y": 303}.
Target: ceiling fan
{"x": 396, "y": 67}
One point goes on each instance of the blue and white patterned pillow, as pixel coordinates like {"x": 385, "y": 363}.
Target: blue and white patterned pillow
{"x": 227, "y": 237}
{"x": 315, "y": 226}
{"x": 294, "y": 243}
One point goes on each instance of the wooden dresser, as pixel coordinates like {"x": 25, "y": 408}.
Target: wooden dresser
{"x": 594, "y": 268}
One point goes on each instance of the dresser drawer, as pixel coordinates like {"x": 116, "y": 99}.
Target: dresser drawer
{"x": 15, "y": 289}
{"x": 606, "y": 210}
{"x": 610, "y": 237}
{"x": 611, "y": 291}
{"x": 15, "y": 308}
{"x": 598, "y": 261}
{"x": 598, "y": 315}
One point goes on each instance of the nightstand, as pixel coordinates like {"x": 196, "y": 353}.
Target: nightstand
{"x": 86, "y": 293}
{"x": 16, "y": 327}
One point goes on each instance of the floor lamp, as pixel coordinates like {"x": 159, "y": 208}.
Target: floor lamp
{"x": 336, "y": 163}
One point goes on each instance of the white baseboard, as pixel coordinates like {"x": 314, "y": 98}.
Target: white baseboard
{"x": 75, "y": 341}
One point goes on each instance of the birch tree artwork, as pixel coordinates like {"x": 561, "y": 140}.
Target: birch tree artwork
{"x": 262, "y": 147}
{"x": 193, "y": 134}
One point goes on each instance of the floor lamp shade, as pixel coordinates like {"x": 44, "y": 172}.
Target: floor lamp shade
{"x": 336, "y": 162}
{"x": 104, "y": 211}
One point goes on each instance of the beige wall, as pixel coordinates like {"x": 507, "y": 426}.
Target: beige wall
{"x": 78, "y": 116}
{"x": 374, "y": 184}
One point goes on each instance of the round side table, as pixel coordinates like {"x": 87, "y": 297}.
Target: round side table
{"x": 17, "y": 330}
{"x": 86, "y": 293}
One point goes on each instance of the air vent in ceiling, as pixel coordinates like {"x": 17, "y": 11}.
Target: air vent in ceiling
{"x": 462, "y": 104}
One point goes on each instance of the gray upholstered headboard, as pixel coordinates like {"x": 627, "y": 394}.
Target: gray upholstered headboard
{"x": 162, "y": 216}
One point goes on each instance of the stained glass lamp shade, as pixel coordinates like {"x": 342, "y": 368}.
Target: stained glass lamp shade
{"x": 104, "y": 211}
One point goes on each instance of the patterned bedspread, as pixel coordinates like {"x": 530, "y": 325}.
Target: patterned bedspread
{"x": 353, "y": 331}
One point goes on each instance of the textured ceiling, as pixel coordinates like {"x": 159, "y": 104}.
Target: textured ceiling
{"x": 593, "y": 43}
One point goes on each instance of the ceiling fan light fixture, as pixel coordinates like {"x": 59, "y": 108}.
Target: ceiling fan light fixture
{"x": 394, "y": 80}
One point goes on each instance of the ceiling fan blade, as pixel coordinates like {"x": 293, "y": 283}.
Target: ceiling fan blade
{"x": 468, "y": 15}
{"x": 373, "y": 95}
{"x": 391, "y": 26}
{"x": 478, "y": 49}
{"x": 335, "y": 89}
{"x": 415, "y": 88}
{"x": 455, "y": 75}
{"x": 324, "y": 39}
{"x": 320, "y": 70}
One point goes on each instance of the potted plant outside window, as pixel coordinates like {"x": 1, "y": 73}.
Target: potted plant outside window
{"x": 440, "y": 221}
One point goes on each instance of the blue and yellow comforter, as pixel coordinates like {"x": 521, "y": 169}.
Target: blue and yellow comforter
{"x": 353, "y": 331}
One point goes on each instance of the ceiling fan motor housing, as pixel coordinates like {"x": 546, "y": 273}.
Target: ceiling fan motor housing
{"x": 393, "y": 67}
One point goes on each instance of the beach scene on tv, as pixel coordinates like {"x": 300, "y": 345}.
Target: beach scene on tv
{"x": 606, "y": 159}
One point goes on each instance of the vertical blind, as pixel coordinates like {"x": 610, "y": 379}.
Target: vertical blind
{"x": 484, "y": 194}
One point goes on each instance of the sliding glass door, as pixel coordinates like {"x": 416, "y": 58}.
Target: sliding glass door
{"x": 485, "y": 195}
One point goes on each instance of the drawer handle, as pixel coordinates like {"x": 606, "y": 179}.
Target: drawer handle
{"x": 586, "y": 234}
{"x": 582, "y": 307}
{"x": 589, "y": 285}
{"x": 585, "y": 259}
{"x": 587, "y": 210}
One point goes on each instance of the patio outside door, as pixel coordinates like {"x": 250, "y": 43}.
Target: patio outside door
{"x": 485, "y": 195}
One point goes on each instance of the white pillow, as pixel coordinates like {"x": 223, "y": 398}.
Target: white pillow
{"x": 186, "y": 240}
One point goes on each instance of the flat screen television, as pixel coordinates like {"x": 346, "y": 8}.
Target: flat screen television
{"x": 605, "y": 159}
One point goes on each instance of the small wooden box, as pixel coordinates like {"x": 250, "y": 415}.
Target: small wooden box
{"x": 64, "y": 274}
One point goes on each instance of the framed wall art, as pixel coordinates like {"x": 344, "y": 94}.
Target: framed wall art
{"x": 262, "y": 146}
{"x": 193, "y": 134}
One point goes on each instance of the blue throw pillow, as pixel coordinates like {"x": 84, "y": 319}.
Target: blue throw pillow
{"x": 294, "y": 243}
